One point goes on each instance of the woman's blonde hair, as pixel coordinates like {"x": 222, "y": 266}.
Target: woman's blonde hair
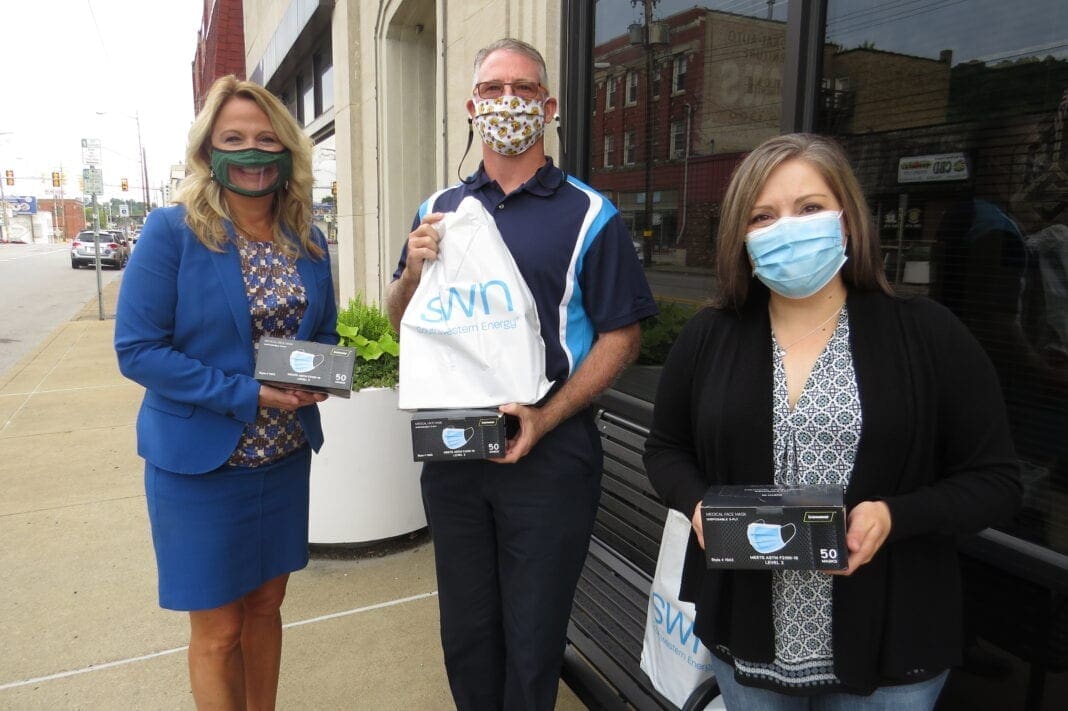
{"x": 864, "y": 268}
{"x": 202, "y": 195}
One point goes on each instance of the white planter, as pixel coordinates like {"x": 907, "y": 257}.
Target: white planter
{"x": 364, "y": 484}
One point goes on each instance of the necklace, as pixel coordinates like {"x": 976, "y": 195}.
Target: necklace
{"x": 819, "y": 326}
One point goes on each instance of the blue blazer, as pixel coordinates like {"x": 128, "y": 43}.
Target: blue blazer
{"x": 183, "y": 331}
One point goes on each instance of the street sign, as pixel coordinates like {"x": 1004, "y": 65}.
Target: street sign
{"x": 91, "y": 151}
{"x": 94, "y": 181}
{"x": 124, "y": 210}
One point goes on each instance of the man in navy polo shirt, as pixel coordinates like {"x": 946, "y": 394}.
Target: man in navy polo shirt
{"x": 510, "y": 535}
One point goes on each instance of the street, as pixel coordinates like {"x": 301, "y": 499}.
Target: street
{"x": 40, "y": 292}
{"x": 692, "y": 287}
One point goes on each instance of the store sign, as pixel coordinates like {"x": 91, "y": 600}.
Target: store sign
{"x": 932, "y": 168}
{"x": 21, "y": 204}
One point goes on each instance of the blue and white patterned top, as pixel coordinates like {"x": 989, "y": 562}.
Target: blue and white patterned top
{"x": 276, "y": 301}
{"x": 814, "y": 444}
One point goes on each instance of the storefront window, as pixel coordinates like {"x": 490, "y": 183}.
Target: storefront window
{"x": 960, "y": 138}
{"x": 724, "y": 61}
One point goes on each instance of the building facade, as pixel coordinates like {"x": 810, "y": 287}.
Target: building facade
{"x": 68, "y": 216}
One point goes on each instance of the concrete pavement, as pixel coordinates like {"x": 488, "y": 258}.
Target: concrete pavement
{"x": 79, "y": 623}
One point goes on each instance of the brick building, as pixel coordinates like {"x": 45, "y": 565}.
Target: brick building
{"x": 220, "y": 46}
{"x": 68, "y": 216}
{"x": 715, "y": 90}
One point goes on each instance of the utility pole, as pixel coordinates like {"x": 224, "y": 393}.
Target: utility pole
{"x": 144, "y": 164}
{"x": 3, "y": 211}
{"x": 6, "y": 237}
{"x": 648, "y": 48}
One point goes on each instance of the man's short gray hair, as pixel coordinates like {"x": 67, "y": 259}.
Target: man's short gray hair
{"x": 509, "y": 44}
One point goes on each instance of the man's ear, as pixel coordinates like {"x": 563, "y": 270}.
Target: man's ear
{"x": 470, "y": 105}
{"x": 551, "y": 107}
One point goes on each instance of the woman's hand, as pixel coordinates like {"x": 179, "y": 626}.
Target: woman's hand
{"x": 869, "y": 525}
{"x": 285, "y": 399}
{"x": 698, "y": 525}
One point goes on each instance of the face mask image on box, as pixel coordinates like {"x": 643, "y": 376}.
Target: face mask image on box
{"x": 302, "y": 361}
{"x": 769, "y": 538}
{"x": 456, "y": 437}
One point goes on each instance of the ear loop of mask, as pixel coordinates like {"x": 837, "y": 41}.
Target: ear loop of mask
{"x": 470, "y": 136}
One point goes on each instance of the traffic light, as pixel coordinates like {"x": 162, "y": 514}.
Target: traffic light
{"x": 55, "y": 179}
{"x": 9, "y": 177}
{"x": 125, "y": 185}
{"x": 333, "y": 188}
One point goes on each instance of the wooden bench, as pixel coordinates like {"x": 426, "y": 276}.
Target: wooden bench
{"x": 607, "y": 626}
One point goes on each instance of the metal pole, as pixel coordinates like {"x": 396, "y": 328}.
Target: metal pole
{"x": 96, "y": 251}
{"x": 647, "y": 232}
{"x": 3, "y": 211}
{"x": 144, "y": 164}
{"x": 6, "y": 236}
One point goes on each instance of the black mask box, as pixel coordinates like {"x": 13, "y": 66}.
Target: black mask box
{"x": 442, "y": 435}
{"x": 775, "y": 528}
{"x": 305, "y": 365}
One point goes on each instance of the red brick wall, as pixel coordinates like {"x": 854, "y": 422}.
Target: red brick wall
{"x": 73, "y": 218}
{"x": 220, "y": 46}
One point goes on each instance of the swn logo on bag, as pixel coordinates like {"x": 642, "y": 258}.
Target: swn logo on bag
{"x": 673, "y": 622}
{"x": 437, "y": 312}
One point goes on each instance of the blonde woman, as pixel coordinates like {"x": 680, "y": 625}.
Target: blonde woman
{"x": 810, "y": 372}
{"x": 227, "y": 458}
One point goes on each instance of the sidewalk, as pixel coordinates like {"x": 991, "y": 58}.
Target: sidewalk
{"x": 79, "y": 619}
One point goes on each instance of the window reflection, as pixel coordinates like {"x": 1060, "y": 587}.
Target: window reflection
{"x": 958, "y": 137}
{"x": 720, "y": 66}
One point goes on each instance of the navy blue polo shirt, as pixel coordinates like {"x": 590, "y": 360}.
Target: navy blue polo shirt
{"x": 574, "y": 252}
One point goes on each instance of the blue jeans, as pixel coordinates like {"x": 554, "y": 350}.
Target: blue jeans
{"x": 920, "y": 696}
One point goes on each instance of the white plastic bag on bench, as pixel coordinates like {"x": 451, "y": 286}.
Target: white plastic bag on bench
{"x": 470, "y": 335}
{"x": 675, "y": 660}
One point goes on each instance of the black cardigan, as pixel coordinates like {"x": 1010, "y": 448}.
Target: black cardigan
{"x": 934, "y": 446}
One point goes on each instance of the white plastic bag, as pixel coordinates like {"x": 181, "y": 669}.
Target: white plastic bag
{"x": 470, "y": 335}
{"x": 675, "y": 660}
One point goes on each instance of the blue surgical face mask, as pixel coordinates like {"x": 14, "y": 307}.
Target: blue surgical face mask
{"x": 302, "y": 361}
{"x": 456, "y": 437}
{"x": 797, "y": 256}
{"x": 768, "y": 537}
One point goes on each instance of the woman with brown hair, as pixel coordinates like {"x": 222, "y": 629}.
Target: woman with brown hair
{"x": 809, "y": 372}
{"x": 227, "y": 458}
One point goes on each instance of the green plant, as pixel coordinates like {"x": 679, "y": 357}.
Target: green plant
{"x": 660, "y": 331}
{"x": 366, "y": 328}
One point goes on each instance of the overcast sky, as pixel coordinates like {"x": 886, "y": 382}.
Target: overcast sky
{"x": 66, "y": 60}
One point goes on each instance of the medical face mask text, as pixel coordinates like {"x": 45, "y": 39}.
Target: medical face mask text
{"x": 508, "y": 124}
{"x": 797, "y": 256}
{"x": 252, "y": 161}
{"x": 769, "y": 538}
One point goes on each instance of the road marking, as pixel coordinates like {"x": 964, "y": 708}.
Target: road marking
{"x": 176, "y": 650}
{"x": 27, "y": 256}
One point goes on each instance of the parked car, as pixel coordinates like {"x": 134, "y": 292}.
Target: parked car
{"x": 114, "y": 251}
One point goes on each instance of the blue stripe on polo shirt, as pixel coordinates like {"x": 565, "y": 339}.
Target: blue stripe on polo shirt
{"x": 576, "y": 329}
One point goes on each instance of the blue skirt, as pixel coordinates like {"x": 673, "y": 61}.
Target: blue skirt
{"x": 219, "y": 536}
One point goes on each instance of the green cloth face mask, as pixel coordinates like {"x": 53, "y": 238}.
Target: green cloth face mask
{"x": 222, "y": 161}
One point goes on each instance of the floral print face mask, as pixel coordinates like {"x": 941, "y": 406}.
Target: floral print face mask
{"x": 509, "y": 124}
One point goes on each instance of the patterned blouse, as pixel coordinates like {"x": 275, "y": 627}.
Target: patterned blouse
{"x": 276, "y": 301}
{"x": 814, "y": 444}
